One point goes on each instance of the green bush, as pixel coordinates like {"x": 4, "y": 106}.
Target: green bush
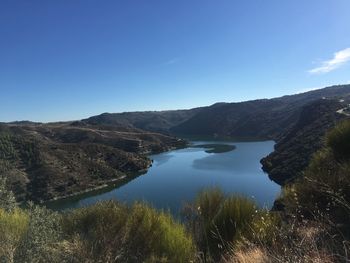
{"x": 30, "y": 235}
{"x": 112, "y": 230}
{"x": 95, "y": 220}
{"x": 13, "y": 226}
{"x": 233, "y": 218}
{"x": 27, "y": 235}
{"x": 40, "y": 241}
{"x": 98, "y": 229}
{"x": 149, "y": 232}
{"x": 217, "y": 221}
{"x": 323, "y": 193}
{"x": 338, "y": 139}
{"x": 208, "y": 203}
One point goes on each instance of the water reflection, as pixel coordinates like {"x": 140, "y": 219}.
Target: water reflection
{"x": 162, "y": 159}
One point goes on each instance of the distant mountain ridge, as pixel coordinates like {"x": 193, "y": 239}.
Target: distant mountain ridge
{"x": 256, "y": 119}
{"x": 264, "y": 119}
{"x": 158, "y": 121}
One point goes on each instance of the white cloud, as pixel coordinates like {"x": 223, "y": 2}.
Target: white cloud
{"x": 340, "y": 58}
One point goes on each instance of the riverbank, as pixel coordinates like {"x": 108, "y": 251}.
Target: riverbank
{"x": 106, "y": 185}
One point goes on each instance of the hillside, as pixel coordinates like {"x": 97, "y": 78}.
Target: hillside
{"x": 43, "y": 162}
{"x": 159, "y": 121}
{"x": 259, "y": 119}
{"x": 294, "y": 151}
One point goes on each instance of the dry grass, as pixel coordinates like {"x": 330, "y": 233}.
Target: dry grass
{"x": 260, "y": 255}
{"x": 295, "y": 244}
{"x": 253, "y": 255}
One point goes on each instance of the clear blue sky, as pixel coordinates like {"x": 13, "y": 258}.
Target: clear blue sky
{"x": 65, "y": 60}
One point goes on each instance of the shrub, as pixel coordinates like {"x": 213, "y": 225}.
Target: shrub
{"x": 324, "y": 191}
{"x": 263, "y": 229}
{"x": 157, "y": 235}
{"x": 114, "y": 232}
{"x": 96, "y": 232}
{"x": 338, "y": 139}
{"x": 39, "y": 242}
{"x": 208, "y": 203}
{"x": 13, "y": 225}
{"x": 297, "y": 241}
{"x": 95, "y": 220}
{"x": 322, "y": 195}
{"x": 233, "y": 219}
{"x": 217, "y": 221}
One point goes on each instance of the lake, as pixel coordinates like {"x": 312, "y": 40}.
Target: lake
{"x": 176, "y": 177}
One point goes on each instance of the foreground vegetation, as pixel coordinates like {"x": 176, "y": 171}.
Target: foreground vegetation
{"x": 310, "y": 222}
{"x": 105, "y": 232}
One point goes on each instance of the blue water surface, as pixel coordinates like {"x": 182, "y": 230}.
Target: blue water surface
{"x": 177, "y": 176}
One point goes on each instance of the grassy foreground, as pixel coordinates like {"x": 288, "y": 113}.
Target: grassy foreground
{"x": 309, "y": 223}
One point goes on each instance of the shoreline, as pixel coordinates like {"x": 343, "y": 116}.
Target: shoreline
{"x": 111, "y": 182}
{"x": 105, "y": 184}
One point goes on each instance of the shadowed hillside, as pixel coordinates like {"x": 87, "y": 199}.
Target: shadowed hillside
{"x": 259, "y": 119}
{"x": 294, "y": 151}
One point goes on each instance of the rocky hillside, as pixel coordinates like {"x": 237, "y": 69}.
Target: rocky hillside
{"x": 295, "y": 149}
{"x": 43, "y": 162}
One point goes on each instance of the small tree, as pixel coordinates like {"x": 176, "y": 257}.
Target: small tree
{"x": 7, "y": 198}
{"x": 40, "y": 242}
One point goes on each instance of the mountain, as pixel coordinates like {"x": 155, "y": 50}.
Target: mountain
{"x": 47, "y": 161}
{"x": 158, "y": 121}
{"x": 258, "y": 119}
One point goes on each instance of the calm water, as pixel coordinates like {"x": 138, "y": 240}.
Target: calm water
{"x": 176, "y": 177}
